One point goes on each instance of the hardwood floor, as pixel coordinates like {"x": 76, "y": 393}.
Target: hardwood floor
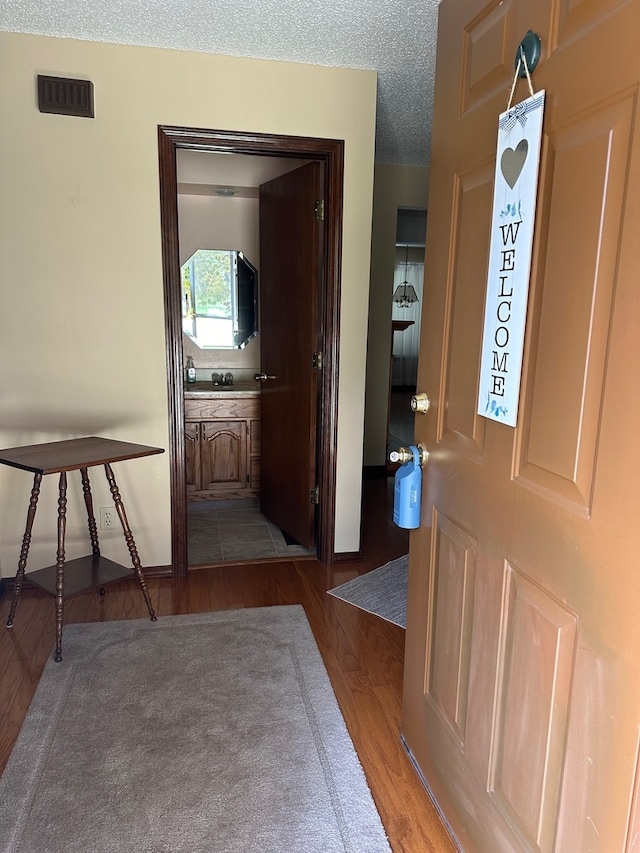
{"x": 363, "y": 654}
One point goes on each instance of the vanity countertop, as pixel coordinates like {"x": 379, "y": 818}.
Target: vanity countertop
{"x": 199, "y": 389}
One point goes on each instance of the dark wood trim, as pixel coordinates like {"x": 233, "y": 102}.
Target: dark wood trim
{"x": 158, "y": 571}
{"x": 347, "y": 557}
{"x": 331, "y": 153}
{"x": 173, "y": 347}
{"x": 334, "y": 175}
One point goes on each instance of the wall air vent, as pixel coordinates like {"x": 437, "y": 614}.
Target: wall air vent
{"x": 65, "y": 96}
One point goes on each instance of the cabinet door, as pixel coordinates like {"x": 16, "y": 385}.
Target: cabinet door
{"x": 223, "y": 453}
{"x": 192, "y": 455}
{"x": 254, "y": 455}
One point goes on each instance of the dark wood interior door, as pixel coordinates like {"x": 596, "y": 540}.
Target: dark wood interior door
{"x": 290, "y": 272}
{"x": 522, "y": 665}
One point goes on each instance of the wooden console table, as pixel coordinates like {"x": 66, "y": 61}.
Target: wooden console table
{"x": 58, "y": 457}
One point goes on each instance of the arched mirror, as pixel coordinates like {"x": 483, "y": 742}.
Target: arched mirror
{"x": 219, "y": 299}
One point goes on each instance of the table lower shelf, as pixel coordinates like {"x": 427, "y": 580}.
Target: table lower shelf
{"x": 81, "y": 574}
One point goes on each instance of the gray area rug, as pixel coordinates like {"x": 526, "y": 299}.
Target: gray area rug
{"x": 382, "y": 591}
{"x": 209, "y": 733}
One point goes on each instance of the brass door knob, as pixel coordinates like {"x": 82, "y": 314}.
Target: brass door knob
{"x": 420, "y": 404}
{"x": 404, "y": 454}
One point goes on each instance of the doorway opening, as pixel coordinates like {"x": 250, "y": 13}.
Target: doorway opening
{"x": 408, "y": 285}
{"x": 331, "y": 155}
{"x": 221, "y": 247}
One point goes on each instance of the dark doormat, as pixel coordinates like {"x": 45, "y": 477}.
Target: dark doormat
{"x": 382, "y": 591}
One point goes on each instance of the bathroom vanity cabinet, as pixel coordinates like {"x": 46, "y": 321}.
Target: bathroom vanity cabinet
{"x": 222, "y": 435}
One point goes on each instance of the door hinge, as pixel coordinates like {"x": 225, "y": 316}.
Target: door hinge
{"x": 314, "y": 495}
{"x": 319, "y": 209}
{"x": 316, "y": 361}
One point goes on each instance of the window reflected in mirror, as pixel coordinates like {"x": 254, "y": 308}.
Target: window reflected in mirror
{"x": 219, "y": 299}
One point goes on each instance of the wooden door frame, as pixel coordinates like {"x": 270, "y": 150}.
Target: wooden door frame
{"x": 331, "y": 153}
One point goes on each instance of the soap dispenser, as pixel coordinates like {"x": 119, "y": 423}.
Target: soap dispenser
{"x": 191, "y": 369}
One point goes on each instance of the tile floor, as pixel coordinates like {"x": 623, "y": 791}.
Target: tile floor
{"x": 233, "y": 530}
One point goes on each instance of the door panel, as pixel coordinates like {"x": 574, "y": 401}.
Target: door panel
{"x": 452, "y": 612}
{"x": 488, "y": 35}
{"x": 576, "y": 15}
{"x": 537, "y": 647}
{"x": 462, "y": 427}
{"x": 487, "y": 57}
{"x": 522, "y": 675}
{"x": 290, "y": 278}
{"x": 561, "y": 413}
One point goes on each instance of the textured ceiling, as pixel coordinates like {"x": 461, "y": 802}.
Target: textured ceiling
{"x": 395, "y": 37}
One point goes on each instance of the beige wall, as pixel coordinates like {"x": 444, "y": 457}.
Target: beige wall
{"x": 82, "y": 318}
{"x": 395, "y": 186}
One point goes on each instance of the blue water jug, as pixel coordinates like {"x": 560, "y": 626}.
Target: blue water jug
{"x": 408, "y": 492}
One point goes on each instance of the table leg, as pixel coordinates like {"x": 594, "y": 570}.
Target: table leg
{"x": 91, "y": 518}
{"x": 128, "y": 535}
{"x": 62, "y": 526}
{"x": 24, "y": 551}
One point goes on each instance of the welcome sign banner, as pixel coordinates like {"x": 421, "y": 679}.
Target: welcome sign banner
{"x": 512, "y": 221}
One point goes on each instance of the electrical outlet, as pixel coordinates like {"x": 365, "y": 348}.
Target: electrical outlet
{"x": 107, "y": 517}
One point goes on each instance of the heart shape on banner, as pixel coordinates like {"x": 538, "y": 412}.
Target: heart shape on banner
{"x": 512, "y": 162}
